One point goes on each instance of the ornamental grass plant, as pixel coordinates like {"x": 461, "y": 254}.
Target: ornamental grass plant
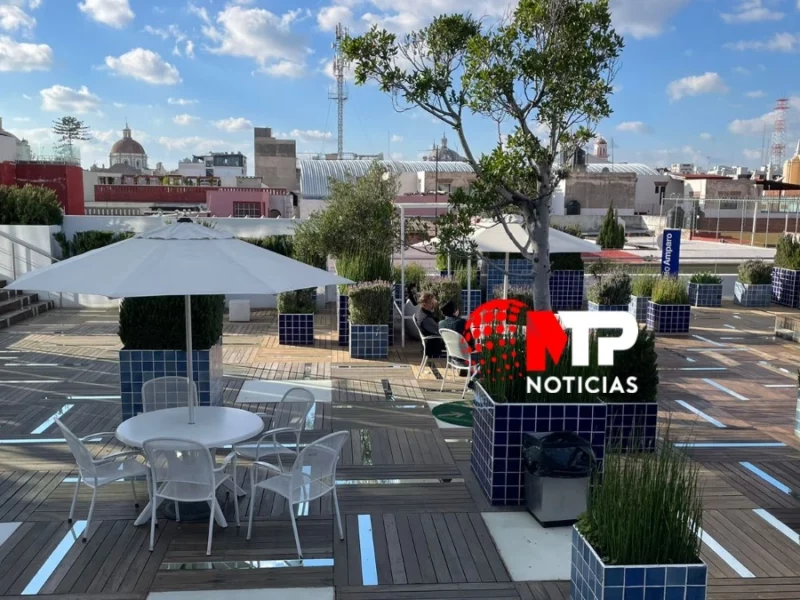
{"x": 369, "y": 303}
{"x": 297, "y": 302}
{"x": 612, "y": 290}
{"x": 645, "y": 508}
{"x": 415, "y": 273}
{"x": 705, "y": 278}
{"x": 670, "y": 290}
{"x": 364, "y": 266}
{"x": 445, "y": 289}
{"x": 755, "y": 272}
{"x": 642, "y": 285}
{"x": 523, "y": 293}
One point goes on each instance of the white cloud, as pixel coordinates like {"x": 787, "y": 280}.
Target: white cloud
{"x": 329, "y": 16}
{"x": 144, "y": 65}
{"x": 755, "y": 94}
{"x": 65, "y": 99}
{"x": 114, "y": 13}
{"x": 706, "y": 136}
{"x": 109, "y": 135}
{"x": 741, "y": 70}
{"x": 119, "y": 104}
{"x": 396, "y": 139}
{"x": 284, "y": 68}
{"x": 189, "y": 49}
{"x": 327, "y": 68}
{"x": 21, "y": 119}
{"x": 233, "y": 124}
{"x": 307, "y": 135}
{"x": 199, "y": 11}
{"x": 173, "y": 32}
{"x": 779, "y": 42}
{"x": 180, "y": 101}
{"x": 397, "y": 156}
{"x": 19, "y": 56}
{"x": 257, "y": 34}
{"x": 633, "y": 127}
{"x": 157, "y": 31}
{"x": 27, "y": 97}
{"x": 193, "y": 143}
{"x": 754, "y": 126}
{"x": 13, "y": 18}
{"x": 694, "y": 85}
{"x": 644, "y": 18}
{"x": 751, "y": 11}
{"x": 751, "y": 154}
{"x": 185, "y": 119}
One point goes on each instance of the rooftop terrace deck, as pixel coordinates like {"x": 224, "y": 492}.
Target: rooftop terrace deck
{"x": 416, "y": 523}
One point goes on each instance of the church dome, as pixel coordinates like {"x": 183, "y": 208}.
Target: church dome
{"x": 127, "y": 146}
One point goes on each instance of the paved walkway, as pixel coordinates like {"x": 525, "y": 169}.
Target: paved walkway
{"x": 416, "y": 523}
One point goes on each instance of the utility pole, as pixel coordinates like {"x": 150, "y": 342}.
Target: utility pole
{"x": 341, "y": 94}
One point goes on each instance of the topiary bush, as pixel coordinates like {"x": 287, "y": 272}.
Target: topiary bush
{"x": 612, "y": 233}
{"x": 369, "y": 303}
{"x": 787, "y": 253}
{"x": 670, "y": 290}
{"x": 755, "y": 272}
{"x": 158, "y": 322}
{"x": 86, "y": 241}
{"x": 642, "y": 285}
{"x": 612, "y": 290}
{"x": 29, "y": 205}
{"x": 705, "y": 278}
{"x": 567, "y": 261}
{"x": 297, "y": 302}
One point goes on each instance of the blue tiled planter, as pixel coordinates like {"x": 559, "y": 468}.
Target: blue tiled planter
{"x": 705, "y": 294}
{"x": 592, "y": 579}
{"x": 668, "y": 318}
{"x": 471, "y": 303}
{"x": 520, "y": 273}
{"x": 296, "y": 329}
{"x": 638, "y": 308}
{"x": 369, "y": 341}
{"x": 594, "y": 307}
{"x": 343, "y": 314}
{"x": 397, "y": 293}
{"x": 752, "y": 295}
{"x": 631, "y": 425}
{"x": 497, "y": 429}
{"x": 138, "y": 366}
{"x": 786, "y": 287}
{"x": 566, "y": 290}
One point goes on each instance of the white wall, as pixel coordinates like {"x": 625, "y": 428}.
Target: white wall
{"x": 238, "y": 227}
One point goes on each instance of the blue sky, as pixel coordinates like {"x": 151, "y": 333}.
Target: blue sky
{"x": 697, "y": 82}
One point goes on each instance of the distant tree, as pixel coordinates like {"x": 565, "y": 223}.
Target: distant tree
{"x": 70, "y": 130}
{"x": 612, "y": 233}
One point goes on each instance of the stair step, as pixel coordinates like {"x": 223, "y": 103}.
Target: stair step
{"x": 17, "y": 302}
{"x": 32, "y": 310}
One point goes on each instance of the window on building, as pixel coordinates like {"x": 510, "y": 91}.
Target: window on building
{"x": 247, "y": 209}
{"x": 274, "y": 214}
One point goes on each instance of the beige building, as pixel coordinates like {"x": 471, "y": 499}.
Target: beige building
{"x": 718, "y": 186}
{"x": 275, "y": 160}
{"x": 791, "y": 168}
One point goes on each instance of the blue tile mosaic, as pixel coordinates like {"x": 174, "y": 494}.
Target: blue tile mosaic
{"x": 520, "y": 272}
{"x": 668, "y": 318}
{"x": 497, "y": 429}
{"x": 594, "y": 307}
{"x": 705, "y": 294}
{"x": 638, "y": 308}
{"x": 591, "y": 579}
{"x": 786, "y": 287}
{"x": 296, "y": 329}
{"x": 471, "y": 303}
{"x": 369, "y": 341}
{"x": 566, "y": 290}
{"x": 631, "y": 425}
{"x": 752, "y": 295}
{"x": 138, "y": 366}
{"x": 343, "y": 314}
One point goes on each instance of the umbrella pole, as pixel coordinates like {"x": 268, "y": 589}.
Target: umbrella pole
{"x": 189, "y": 366}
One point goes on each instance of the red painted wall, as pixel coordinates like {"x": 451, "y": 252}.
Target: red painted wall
{"x": 65, "y": 180}
{"x": 184, "y": 194}
{"x": 8, "y": 173}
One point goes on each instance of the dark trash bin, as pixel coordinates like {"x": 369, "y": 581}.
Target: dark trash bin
{"x": 558, "y": 469}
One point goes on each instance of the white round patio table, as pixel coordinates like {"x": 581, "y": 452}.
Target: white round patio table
{"x": 214, "y": 427}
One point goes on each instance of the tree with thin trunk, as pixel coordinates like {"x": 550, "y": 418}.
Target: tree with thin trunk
{"x": 543, "y": 75}
{"x": 70, "y": 130}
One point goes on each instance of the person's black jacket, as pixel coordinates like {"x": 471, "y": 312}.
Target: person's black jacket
{"x": 428, "y": 325}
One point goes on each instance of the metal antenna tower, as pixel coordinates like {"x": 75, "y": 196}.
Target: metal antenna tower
{"x": 778, "y": 148}
{"x": 341, "y": 94}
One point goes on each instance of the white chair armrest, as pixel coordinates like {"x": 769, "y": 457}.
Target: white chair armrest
{"x": 102, "y": 434}
{"x": 116, "y": 455}
{"x": 225, "y": 462}
{"x": 266, "y": 465}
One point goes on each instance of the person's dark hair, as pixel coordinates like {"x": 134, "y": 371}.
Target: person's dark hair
{"x": 411, "y": 293}
{"x": 449, "y": 309}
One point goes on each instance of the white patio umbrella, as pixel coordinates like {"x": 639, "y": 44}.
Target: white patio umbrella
{"x": 183, "y": 259}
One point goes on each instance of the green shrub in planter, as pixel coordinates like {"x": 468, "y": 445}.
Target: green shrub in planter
{"x": 364, "y": 267}
{"x": 461, "y": 277}
{"x": 567, "y": 261}
{"x": 670, "y": 290}
{"x": 415, "y": 273}
{"x": 600, "y": 267}
{"x": 613, "y": 290}
{"x": 705, "y": 278}
{"x": 787, "y": 253}
{"x": 158, "y": 322}
{"x": 29, "y": 205}
{"x": 642, "y": 285}
{"x": 445, "y": 289}
{"x": 755, "y": 272}
{"x": 86, "y": 241}
{"x": 663, "y": 508}
{"x": 297, "y": 302}
{"x": 612, "y": 233}
{"x": 523, "y": 293}
{"x": 574, "y": 229}
{"x": 279, "y": 244}
{"x": 369, "y": 303}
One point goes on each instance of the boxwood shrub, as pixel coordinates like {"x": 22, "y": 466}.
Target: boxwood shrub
{"x": 787, "y": 253}
{"x": 369, "y": 303}
{"x": 611, "y": 290}
{"x": 755, "y": 272}
{"x": 158, "y": 322}
{"x": 297, "y": 302}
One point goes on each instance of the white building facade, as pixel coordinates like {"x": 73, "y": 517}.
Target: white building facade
{"x": 225, "y": 166}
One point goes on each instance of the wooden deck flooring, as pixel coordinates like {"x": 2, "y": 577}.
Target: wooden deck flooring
{"x": 406, "y": 494}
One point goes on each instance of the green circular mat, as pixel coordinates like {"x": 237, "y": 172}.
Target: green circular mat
{"x": 455, "y": 413}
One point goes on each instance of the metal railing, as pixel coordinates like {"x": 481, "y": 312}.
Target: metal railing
{"x": 15, "y": 241}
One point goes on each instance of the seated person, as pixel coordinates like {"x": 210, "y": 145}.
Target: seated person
{"x": 411, "y": 293}
{"x": 426, "y": 321}
{"x": 452, "y": 318}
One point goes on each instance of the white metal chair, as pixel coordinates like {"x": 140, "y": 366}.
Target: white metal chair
{"x": 291, "y": 413}
{"x": 184, "y": 471}
{"x": 99, "y": 472}
{"x": 312, "y": 475}
{"x": 424, "y": 339}
{"x": 458, "y": 357}
{"x": 167, "y": 392}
